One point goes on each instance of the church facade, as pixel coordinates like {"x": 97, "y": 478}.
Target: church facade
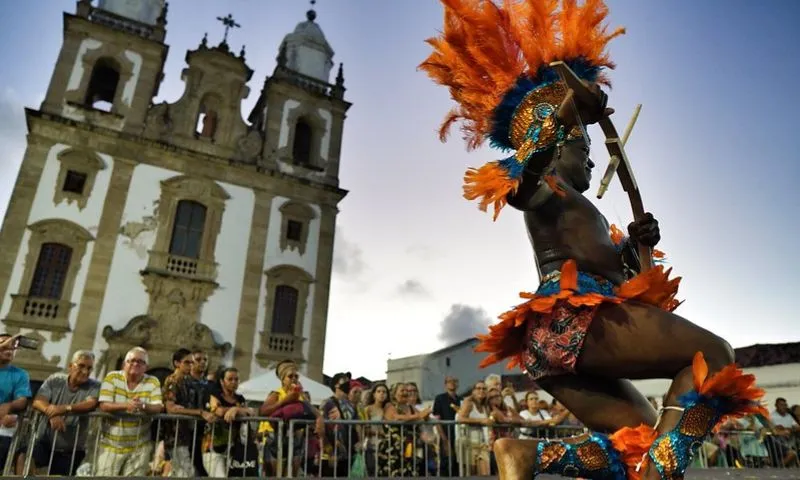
{"x": 174, "y": 224}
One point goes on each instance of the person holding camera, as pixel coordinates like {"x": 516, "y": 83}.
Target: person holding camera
{"x": 15, "y": 391}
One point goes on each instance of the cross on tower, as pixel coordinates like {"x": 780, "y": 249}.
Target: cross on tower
{"x": 229, "y": 23}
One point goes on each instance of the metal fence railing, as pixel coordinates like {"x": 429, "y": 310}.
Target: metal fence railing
{"x": 100, "y": 444}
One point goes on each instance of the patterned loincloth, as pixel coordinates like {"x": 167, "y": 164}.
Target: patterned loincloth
{"x": 545, "y": 334}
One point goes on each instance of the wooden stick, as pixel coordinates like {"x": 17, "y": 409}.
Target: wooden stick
{"x": 613, "y": 163}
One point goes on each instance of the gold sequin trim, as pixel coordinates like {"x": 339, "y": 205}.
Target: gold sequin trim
{"x": 525, "y": 115}
{"x": 592, "y": 456}
{"x": 575, "y": 132}
{"x": 551, "y": 453}
{"x": 696, "y": 421}
{"x": 665, "y": 456}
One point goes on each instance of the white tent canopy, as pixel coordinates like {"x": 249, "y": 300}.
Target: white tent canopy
{"x": 257, "y": 388}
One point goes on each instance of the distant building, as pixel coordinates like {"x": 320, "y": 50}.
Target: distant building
{"x": 776, "y": 367}
{"x": 174, "y": 224}
{"x": 429, "y": 370}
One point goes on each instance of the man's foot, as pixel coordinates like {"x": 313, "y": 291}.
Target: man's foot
{"x": 727, "y": 394}
{"x": 589, "y": 456}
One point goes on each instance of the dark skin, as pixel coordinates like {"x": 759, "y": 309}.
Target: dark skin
{"x": 625, "y": 342}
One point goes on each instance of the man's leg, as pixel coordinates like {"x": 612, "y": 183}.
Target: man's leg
{"x": 603, "y": 404}
{"x": 638, "y": 341}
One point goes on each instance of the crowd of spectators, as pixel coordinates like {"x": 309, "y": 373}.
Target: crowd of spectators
{"x": 194, "y": 424}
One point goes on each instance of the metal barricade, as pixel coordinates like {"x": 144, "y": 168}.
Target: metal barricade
{"x": 168, "y": 444}
{"x": 161, "y": 442}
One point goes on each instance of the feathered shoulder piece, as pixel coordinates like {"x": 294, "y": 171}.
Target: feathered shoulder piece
{"x": 495, "y": 60}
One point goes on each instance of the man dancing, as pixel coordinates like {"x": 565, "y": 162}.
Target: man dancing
{"x": 596, "y": 319}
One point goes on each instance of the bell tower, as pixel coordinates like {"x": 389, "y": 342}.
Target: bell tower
{"x": 110, "y": 64}
{"x": 300, "y": 110}
{"x": 301, "y": 114}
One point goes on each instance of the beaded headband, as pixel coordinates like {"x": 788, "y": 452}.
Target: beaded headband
{"x": 495, "y": 62}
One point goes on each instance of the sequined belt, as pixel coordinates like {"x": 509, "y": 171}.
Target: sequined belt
{"x": 587, "y": 283}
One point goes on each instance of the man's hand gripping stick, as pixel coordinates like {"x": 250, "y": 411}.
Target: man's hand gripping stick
{"x": 619, "y": 160}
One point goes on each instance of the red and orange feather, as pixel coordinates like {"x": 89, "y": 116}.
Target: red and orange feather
{"x": 484, "y": 48}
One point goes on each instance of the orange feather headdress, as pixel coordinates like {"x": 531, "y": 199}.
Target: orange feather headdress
{"x": 495, "y": 60}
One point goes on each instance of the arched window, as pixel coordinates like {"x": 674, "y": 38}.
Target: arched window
{"x": 187, "y": 231}
{"x": 103, "y": 85}
{"x": 284, "y": 313}
{"x": 301, "y": 149}
{"x": 208, "y": 116}
{"x": 51, "y": 271}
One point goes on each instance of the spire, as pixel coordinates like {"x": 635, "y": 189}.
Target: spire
{"x": 340, "y": 76}
{"x": 338, "y": 89}
{"x": 161, "y": 21}
{"x": 311, "y": 14}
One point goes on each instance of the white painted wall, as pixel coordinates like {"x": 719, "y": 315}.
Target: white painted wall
{"x": 273, "y": 256}
{"x": 326, "y": 137}
{"x": 44, "y": 208}
{"x": 130, "y": 86}
{"x": 127, "y": 297}
{"x": 288, "y": 106}
{"x": 221, "y": 312}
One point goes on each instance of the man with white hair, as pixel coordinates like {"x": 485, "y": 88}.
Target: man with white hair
{"x": 494, "y": 381}
{"x": 61, "y": 432}
{"x": 125, "y": 445}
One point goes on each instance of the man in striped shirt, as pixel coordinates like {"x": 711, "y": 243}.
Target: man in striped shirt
{"x": 126, "y": 447}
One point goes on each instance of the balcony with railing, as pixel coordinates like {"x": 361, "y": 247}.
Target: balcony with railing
{"x": 175, "y": 265}
{"x": 280, "y": 346}
{"x": 38, "y": 313}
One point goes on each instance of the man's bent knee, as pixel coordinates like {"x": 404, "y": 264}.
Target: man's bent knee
{"x": 718, "y": 354}
{"x": 516, "y": 459}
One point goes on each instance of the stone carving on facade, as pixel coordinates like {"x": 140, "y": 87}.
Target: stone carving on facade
{"x": 159, "y": 120}
{"x": 161, "y": 334}
{"x": 249, "y": 147}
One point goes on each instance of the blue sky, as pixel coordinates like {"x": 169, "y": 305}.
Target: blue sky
{"x": 418, "y": 267}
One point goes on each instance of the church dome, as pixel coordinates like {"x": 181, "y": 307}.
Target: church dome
{"x": 308, "y": 51}
{"x": 309, "y": 32}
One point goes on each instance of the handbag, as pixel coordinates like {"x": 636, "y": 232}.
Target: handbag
{"x": 359, "y": 467}
{"x": 295, "y": 411}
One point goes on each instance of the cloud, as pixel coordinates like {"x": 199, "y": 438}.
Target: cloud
{"x": 347, "y": 257}
{"x": 413, "y": 288}
{"x": 463, "y": 322}
{"x": 424, "y": 252}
